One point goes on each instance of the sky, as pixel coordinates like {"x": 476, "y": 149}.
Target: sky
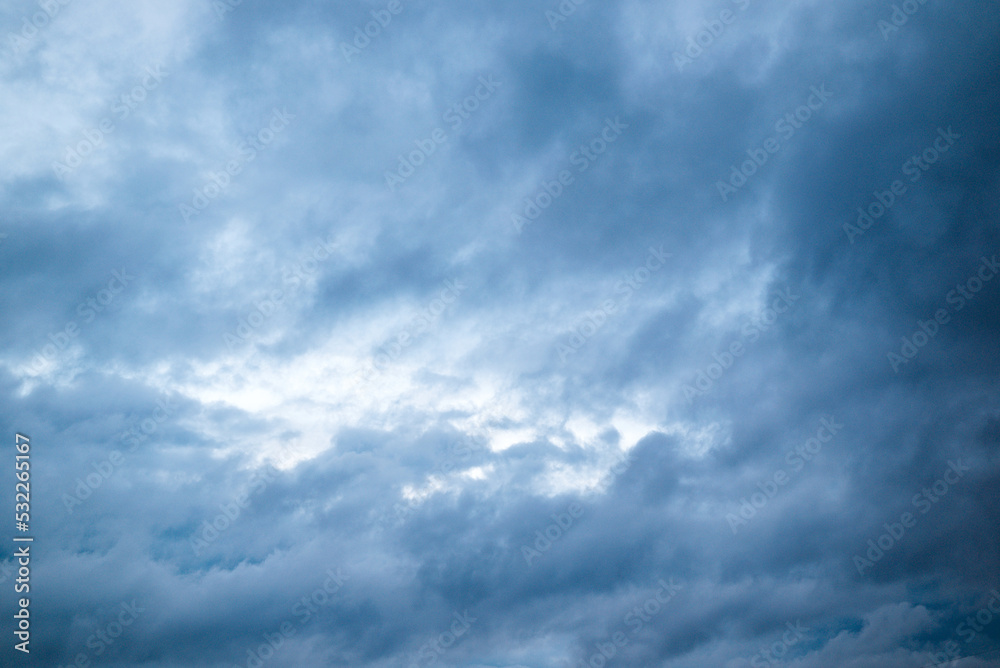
{"x": 502, "y": 334}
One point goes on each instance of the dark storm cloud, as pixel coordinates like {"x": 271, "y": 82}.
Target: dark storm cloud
{"x": 207, "y": 458}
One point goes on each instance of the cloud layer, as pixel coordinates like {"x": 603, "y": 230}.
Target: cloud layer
{"x": 504, "y": 334}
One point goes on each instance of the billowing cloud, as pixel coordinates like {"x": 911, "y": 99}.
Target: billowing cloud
{"x": 641, "y": 333}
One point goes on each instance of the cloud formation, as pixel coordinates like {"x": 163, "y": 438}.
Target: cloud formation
{"x": 395, "y": 333}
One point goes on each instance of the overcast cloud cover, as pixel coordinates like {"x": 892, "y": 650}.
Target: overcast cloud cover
{"x": 673, "y": 344}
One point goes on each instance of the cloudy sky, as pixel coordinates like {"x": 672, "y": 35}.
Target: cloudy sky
{"x": 503, "y": 334}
